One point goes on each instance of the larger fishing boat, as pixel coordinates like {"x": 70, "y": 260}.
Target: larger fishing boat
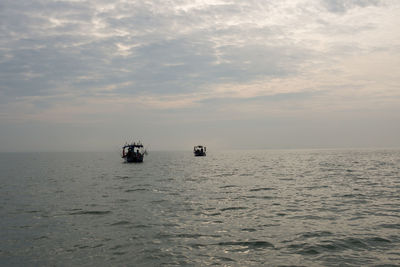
{"x": 199, "y": 150}
{"x": 133, "y": 152}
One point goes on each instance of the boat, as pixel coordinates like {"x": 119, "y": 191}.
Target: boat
{"x": 199, "y": 151}
{"x": 133, "y": 152}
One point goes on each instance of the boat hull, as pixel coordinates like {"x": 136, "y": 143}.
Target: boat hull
{"x": 132, "y": 159}
{"x": 199, "y": 154}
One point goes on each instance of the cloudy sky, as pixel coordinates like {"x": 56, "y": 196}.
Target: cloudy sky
{"x": 92, "y": 74}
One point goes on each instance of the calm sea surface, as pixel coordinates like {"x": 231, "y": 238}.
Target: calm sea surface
{"x": 233, "y": 208}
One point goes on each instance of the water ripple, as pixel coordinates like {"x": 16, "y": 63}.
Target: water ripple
{"x": 91, "y": 212}
{"x": 247, "y": 244}
{"x": 233, "y": 208}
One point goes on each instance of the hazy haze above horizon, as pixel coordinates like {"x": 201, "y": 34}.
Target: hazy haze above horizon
{"x": 91, "y": 75}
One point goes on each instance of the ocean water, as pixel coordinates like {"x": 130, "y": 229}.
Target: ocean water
{"x": 231, "y": 208}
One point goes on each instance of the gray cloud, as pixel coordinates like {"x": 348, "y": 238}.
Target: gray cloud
{"x": 341, "y": 6}
{"x": 51, "y": 48}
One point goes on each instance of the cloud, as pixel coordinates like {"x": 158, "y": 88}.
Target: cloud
{"x": 341, "y": 6}
{"x": 77, "y": 61}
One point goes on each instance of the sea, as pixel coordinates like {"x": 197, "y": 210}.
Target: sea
{"x": 230, "y": 208}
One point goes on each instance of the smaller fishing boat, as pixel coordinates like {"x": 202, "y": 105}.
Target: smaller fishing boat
{"x": 133, "y": 152}
{"x": 199, "y": 151}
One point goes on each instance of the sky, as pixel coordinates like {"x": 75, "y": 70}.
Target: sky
{"x": 90, "y": 75}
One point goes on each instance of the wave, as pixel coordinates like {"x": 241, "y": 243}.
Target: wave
{"x": 91, "y": 212}
{"x": 121, "y": 223}
{"x": 234, "y": 208}
{"x": 316, "y": 234}
{"x": 228, "y": 186}
{"x": 248, "y": 244}
{"x": 391, "y": 226}
{"x": 136, "y": 189}
{"x": 350, "y": 243}
{"x": 261, "y": 189}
